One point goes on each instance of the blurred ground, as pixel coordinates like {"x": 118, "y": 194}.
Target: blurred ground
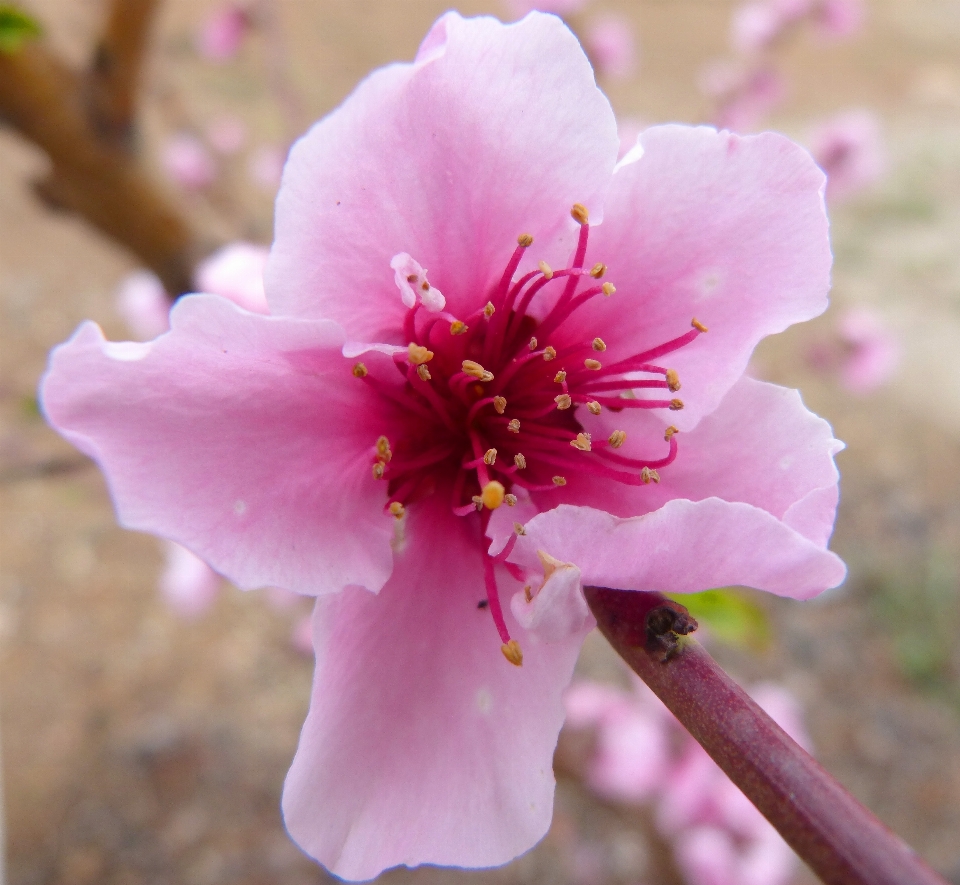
{"x": 141, "y": 749}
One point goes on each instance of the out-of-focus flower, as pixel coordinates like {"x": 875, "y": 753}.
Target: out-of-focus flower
{"x": 222, "y": 32}
{"x": 227, "y": 135}
{"x": 872, "y": 351}
{"x": 235, "y": 272}
{"x": 839, "y": 19}
{"x": 746, "y": 96}
{"x": 612, "y": 46}
{"x": 266, "y": 167}
{"x": 381, "y": 454}
{"x": 187, "y": 161}
{"x": 849, "y": 148}
{"x": 143, "y": 304}
{"x": 519, "y": 8}
{"x": 754, "y": 26}
{"x": 187, "y": 583}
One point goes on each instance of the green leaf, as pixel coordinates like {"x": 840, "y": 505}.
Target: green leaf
{"x": 16, "y": 27}
{"x": 730, "y": 615}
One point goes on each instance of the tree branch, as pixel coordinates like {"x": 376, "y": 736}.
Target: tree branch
{"x": 842, "y": 842}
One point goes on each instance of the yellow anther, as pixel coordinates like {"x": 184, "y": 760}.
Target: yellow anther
{"x": 359, "y": 371}
{"x": 582, "y": 442}
{"x": 478, "y": 501}
{"x": 673, "y": 379}
{"x": 525, "y": 240}
{"x": 424, "y": 373}
{"x": 500, "y": 404}
{"x": 560, "y": 377}
{"x": 676, "y": 405}
{"x": 700, "y": 327}
{"x": 608, "y": 289}
{"x": 559, "y": 481}
{"x": 670, "y": 431}
{"x": 598, "y": 270}
{"x": 563, "y": 401}
{"x": 489, "y": 310}
{"x": 510, "y": 500}
{"x": 519, "y": 529}
{"x": 533, "y": 344}
{"x": 458, "y": 327}
{"x": 514, "y": 425}
{"x": 419, "y": 354}
{"x": 593, "y": 365}
{"x": 599, "y": 345}
{"x": 593, "y": 407}
{"x": 378, "y": 470}
{"x": 647, "y": 476}
{"x": 490, "y": 457}
{"x": 475, "y": 370}
{"x": 396, "y": 509}
{"x": 492, "y": 494}
{"x": 549, "y": 353}
{"x": 579, "y": 213}
{"x": 520, "y": 461}
{"x": 545, "y": 269}
{"x": 617, "y": 438}
{"x": 511, "y": 651}
{"x": 384, "y": 452}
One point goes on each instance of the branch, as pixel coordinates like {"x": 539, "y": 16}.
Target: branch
{"x": 842, "y": 842}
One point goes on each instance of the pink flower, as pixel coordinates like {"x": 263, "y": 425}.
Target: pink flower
{"x": 352, "y": 447}
{"x": 756, "y": 25}
{"x": 143, "y": 304}
{"x": 863, "y": 353}
{"x": 222, "y": 33}
{"x": 612, "y": 47}
{"x": 235, "y": 272}
{"x": 188, "y": 162}
{"x": 849, "y": 149}
{"x": 840, "y": 19}
{"x": 188, "y": 584}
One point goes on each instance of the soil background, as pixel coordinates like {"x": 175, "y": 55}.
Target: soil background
{"x": 142, "y": 748}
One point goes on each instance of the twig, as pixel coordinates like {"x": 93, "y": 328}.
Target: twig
{"x": 842, "y": 842}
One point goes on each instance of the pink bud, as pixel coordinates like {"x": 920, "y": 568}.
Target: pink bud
{"x": 188, "y": 162}
{"x": 235, "y": 272}
{"x": 144, "y": 304}
{"x": 222, "y": 33}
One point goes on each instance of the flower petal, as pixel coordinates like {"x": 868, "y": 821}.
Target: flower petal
{"x": 728, "y": 229}
{"x": 495, "y": 132}
{"x": 243, "y": 437}
{"x": 422, "y": 744}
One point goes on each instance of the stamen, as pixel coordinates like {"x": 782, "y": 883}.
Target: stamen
{"x": 599, "y": 345}
{"x": 563, "y": 401}
{"x": 511, "y": 501}
{"x": 519, "y": 529}
{"x": 514, "y": 425}
{"x": 527, "y": 593}
{"x": 500, "y": 404}
{"x": 582, "y": 442}
{"x": 533, "y": 344}
{"x": 598, "y": 270}
{"x": 490, "y": 457}
{"x": 475, "y": 370}
{"x": 559, "y": 481}
{"x": 545, "y": 269}
{"x": 418, "y": 354}
{"x": 670, "y": 431}
{"x": 396, "y": 509}
{"x": 560, "y": 377}
{"x": 378, "y": 469}
{"x": 617, "y": 438}
{"x": 593, "y": 407}
{"x": 608, "y": 289}
{"x": 424, "y": 373}
{"x": 384, "y": 453}
{"x": 520, "y": 461}
{"x": 458, "y": 327}
{"x": 673, "y": 379}
{"x": 359, "y": 371}
{"x": 493, "y": 494}
{"x": 579, "y": 213}
{"x": 511, "y": 651}
{"x": 477, "y": 502}
{"x": 675, "y": 405}
{"x": 647, "y": 475}
{"x": 549, "y": 353}
{"x": 489, "y": 310}
{"x": 525, "y": 240}
{"x": 593, "y": 365}
{"x": 700, "y": 327}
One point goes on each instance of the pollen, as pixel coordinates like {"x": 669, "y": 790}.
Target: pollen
{"x": 511, "y": 651}
{"x": 359, "y": 371}
{"x": 673, "y": 380}
{"x": 500, "y": 404}
{"x": 560, "y": 377}
{"x": 490, "y": 457}
{"x": 493, "y": 494}
{"x": 510, "y": 500}
{"x": 617, "y": 438}
{"x": 396, "y": 509}
{"x": 608, "y": 289}
{"x": 419, "y": 354}
{"x": 582, "y": 442}
{"x": 579, "y": 213}
{"x": 378, "y": 470}
{"x": 559, "y": 480}
{"x": 593, "y": 365}
{"x": 525, "y": 240}
{"x": 545, "y": 269}
{"x": 549, "y": 353}
{"x": 424, "y": 373}
{"x": 670, "y": 431}
{"x": 520, "y": 461}
{"x": 700, "y": 327}
{"x": 458, "y": 327}
{"x": 593, "y": 407}
{"x": 563, "y": 401}
{"x": 599, "y": 345}
{"x": 676, "y": 405}
{"x": 475, "y": 370}
{"x": 647, "y": 476}
{"x": 489, "y": 310}
{"x": 384, "y": 453}
{"x": 533, "y": 344}
{"x": 598, "y": 270}
{"x": 514, "y": 425}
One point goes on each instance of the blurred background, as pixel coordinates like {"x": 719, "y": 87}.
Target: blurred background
{"x": 149, "y": 714}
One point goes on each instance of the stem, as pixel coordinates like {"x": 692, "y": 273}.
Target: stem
{"x": 842, "y": 842}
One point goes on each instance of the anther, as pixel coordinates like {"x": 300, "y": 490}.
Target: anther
{"x": 549, "y": 353}
{"x": 525, "y": 240}
{"x": 520, "y": 461}
{"x": 519, "y": 529}
{"x": 396, "y": 509}
{"x": 608, "y": 289}
{"x": 559, "y": 481}
{"x": 675, "y": 405}
{"x": 560, "y": 377}
{"x": 511, "y": 651}
{"x": 500, "y": 404}
{"x": 359, "y": 371}
{"x": 593, "y": 365}
{"x": 700, "y": 327}
{"x": 593, "y": 407}
{"x": 412, "y": 278}
{"x": 579, "y": 213}
{"x": 418, "y": 354}
{"x": 563, "y": 401}
{"x": 545, "y": 269}
{"x": 489, "y": 310}
{"x": 514, "y": 425}
{"x": 582, "y": 442}
{"x": 617, "y": 438}
{"x": 598, "y": 270}
{"x": 384, "y": 453}
{"x": 670, "y": 431}
{"x": 475, "y": 370}
{"x": 478, "y": 502}
{"x": 647, "y": 476}
{"x": 458, "y": 327}
{"x": 527, "y": 593}
{"x": 490, "y": 457}
{"x": 673, "y": 379}
{"x": 492, "y": 494}
{"x": 599, "y": 345}
{"x": 378, "y": 470}
{"x": 424, "y": 373}
{"x": 533, "y": 344}
{"x": 510, "y": 500}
